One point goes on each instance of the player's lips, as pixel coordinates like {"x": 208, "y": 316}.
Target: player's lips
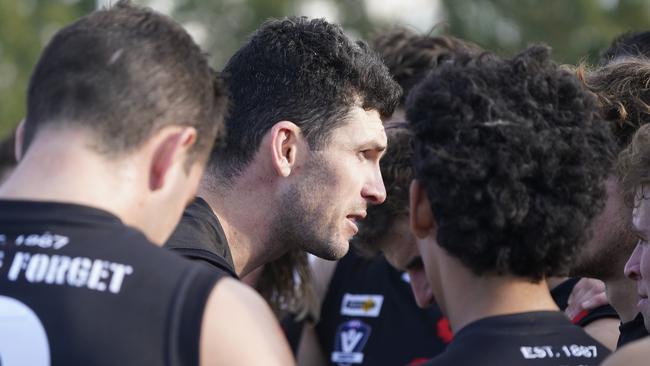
{"x": 353, "y": 218}
{"x": 643, "y": 301}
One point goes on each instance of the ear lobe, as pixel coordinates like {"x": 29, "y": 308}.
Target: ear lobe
{"x": 421, "y": 217}
{"x": 171, "y": 149}
{"x": 285, "y": 136}
{"x": 19, "y": 140}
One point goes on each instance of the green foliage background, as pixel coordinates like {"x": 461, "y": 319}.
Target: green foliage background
{"x": 576, "y": 29}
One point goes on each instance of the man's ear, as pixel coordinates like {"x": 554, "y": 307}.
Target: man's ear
{"x": 285, "y": 143}
{"x": 171, "y": 146}
{"x": 422, "y": 221}
{"x": 19, "y": 138}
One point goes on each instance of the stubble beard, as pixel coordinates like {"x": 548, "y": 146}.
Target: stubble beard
{"x": 303, "y": 222}
{"x": 607, "y": 263}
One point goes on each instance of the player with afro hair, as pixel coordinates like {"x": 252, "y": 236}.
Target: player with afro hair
{"x": 510, "y": 162}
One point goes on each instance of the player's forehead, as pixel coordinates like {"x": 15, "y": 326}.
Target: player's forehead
{"x": 361, "y": 127}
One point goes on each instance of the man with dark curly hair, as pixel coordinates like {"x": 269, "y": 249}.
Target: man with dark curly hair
{"x": 634, "y": 169}
{"x": 633, "y": 164}
{"x": 625, "y": 102}
{"x": 510, "y": 162}
{"x": 300, "y": 163}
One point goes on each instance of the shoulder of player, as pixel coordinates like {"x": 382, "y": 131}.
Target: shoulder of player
{"x": 239, "y": 328}
{"x": 636, "y": 353}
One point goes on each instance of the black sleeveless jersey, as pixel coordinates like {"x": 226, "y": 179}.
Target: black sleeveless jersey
{"x": 78, "y": 287}
{"x": 369, "y": 317}
{"x": 199, "y": 236}
{"x": 631, "y": 331}
{"x": 544, "y": 338}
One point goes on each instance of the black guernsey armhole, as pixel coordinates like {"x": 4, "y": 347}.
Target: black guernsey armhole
{"x": 197, "y": 254}
{"x": 186, "y": 314}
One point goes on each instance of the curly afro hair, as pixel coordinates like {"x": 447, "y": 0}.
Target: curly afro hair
{"x": 513, "y": 155}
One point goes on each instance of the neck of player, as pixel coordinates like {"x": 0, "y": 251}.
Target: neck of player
{"x": 471, "y": 298}
{"x": 61, "y": 166}
{"x": 622, "y": 295}
{"x": 241, "y": 210}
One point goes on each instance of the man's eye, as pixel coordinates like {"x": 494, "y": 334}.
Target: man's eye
{"x": 365, "y": 154}
{"x": 370, "y": 154}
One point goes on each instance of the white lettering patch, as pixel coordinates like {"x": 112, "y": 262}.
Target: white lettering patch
{"x": 565, "y": 351}
{"x": 361, "y": 305}
{"x": 46, "y": 240}
{"x": 94, "y": 274}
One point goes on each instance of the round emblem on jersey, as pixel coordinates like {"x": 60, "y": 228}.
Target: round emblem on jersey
{"x": 351, "y": 337}
{"x": 23, "y": 340}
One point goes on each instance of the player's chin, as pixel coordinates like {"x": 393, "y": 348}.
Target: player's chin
{"x": 340, "y": 245}
{"x": 331, "y": 250}
{"x": 340, "y": 248}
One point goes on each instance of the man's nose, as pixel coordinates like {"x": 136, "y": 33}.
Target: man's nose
{"x": 374, "y": 191}
{"x": 632, "y": 267}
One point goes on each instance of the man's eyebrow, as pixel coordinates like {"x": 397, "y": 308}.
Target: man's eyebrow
{"x": 373, "y": 145}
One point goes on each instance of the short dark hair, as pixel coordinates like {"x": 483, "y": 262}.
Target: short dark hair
{"x": 301, "y": 70}
{"x": 513, "y": 156}
{"x": 124, "y": 73}
{"x": 631, "y": 44}
{"x": 410, "y": 55}
{"x": 397, "y": 172}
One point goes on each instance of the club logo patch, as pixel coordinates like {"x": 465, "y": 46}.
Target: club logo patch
{"x": 351, "y": 337}
{"x": 361, "y": 305}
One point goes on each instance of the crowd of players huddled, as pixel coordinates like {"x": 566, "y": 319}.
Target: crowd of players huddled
{"x": 460, "y": 208}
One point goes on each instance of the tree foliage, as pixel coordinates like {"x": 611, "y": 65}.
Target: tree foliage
{"x": 576, "y": 29}
{"x": 25, "y": 27}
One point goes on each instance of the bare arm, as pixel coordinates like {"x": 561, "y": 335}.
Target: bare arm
{"x": 309, "y": 349}
{"x": 239, "y": 329}
{"x": 605, "y": 331}
{"x": 634, "y": 354}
